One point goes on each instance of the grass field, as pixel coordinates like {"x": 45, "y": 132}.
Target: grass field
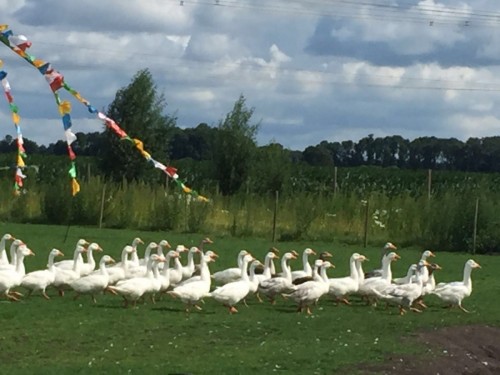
{"x": 65, "y": 336}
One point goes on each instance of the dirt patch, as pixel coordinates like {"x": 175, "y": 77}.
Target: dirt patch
{"x": 467, "y": 350}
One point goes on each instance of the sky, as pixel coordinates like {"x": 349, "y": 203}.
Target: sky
{"x": 312, "y": 70}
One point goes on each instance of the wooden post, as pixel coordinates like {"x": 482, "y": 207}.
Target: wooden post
{"x": 334, "y": 181}
{"x": 365, "y": 239}
{"x": 102, "y": 205}
{"x": 429, "y": 183}
{"x": 275, "y": 215}
{"x": 474, "y": 236}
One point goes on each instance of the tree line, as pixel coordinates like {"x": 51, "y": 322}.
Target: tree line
{"x": 228, "y": 152}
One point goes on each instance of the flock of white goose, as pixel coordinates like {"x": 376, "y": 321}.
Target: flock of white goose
{"x": 134, "y": 278}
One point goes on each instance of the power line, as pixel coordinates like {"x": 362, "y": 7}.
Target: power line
{"x": 423, "y": 14}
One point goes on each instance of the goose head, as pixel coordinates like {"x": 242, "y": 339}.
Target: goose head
{"x": 56, "y": 253}
{"x": 428, "y": 254}
{"x": 137, "y": 241}
{"x": 95, "y": 247}
{"x": 325, "y": 255}
{"x": 274, "y": 250}
{"x": 25, "y": 250}
{"x": 473, "y": 264}
{"x": 309, "y": 251}
{"x": 390, "y": 246}
{"x": 106, "y": 259}
{"x": 359, "y": 257}
{"x": 82, "y": 242}
{"x": 8, "y": 237}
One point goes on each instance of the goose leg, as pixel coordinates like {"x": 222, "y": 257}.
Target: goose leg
{"x": 44, "y": 294}
{"x": 258, "y": 297}
{"x": 463, "y": 309}
{"x": 232, "y": 310}
{"x": 245, "y": 302}
{"x": 197, "y": 307}
{"x": 93, "y": 299}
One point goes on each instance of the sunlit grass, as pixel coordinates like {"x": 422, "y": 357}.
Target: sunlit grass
{"x": 75, "y": 336}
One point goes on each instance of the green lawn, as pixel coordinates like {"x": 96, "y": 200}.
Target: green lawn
{"x": 67, "y": 336}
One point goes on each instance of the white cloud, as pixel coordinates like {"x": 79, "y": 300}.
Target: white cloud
{"x": 204, "y": 56}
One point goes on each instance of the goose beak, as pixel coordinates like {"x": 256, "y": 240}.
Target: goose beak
{"x": 111, "y": 260}
{"x": 431, "y": 254}
{"x": 313, "y": 252}
{"x": 396, "y": 257}
{"x": 30, "y": 252}
{"x": 215, "y": 255}
{"x": 60, "y": 253}
{"x": 140, "y": 241}
{"x": 99, "y": 248}
{"x": 478, "y": 265}
{"x": 274, "y": 250}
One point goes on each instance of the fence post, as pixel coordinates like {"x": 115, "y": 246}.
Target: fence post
{"x": 429, "y": 183}
{"x": 275, "y": 214}
{"x": 474, "y": 236}
{"x": 365, "y": 239}
{"x": 102, "y": 205}
{"x": 334, "y": 181}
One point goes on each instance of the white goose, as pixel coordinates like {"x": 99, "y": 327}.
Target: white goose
{"x": 39, "y": 280}
{"x": 134, "y": 257}
{"x": 188, "y": 269}
{"x": 341, "y": 287}
{"x": 306, "y": 267}
{"x": 279, "y": 285}
{"x": 379, "y": 283}
{"x": 176, "y": 271}
{"x": 119, "y": 272}
{"x": 253, "y": 280}
{"x": 68, "y": 264}
{"x": 64, "y": 277}
{"x": 88, "y": 267}
{"x": 453, "y": 293}
{"x": 141, "y": 270}
{"x": 204, "y": 272}
{"x": 10, "y": 279}
{"x": 405, "y": 295}
{"x": 164, "y": 245}
{"x": 191, "y": 293}
{"x": 233, "y": 292}
{"x": 133, "y": 289}
{"x": 388, "y": 247}
{"x": 406, "y": 279}
{"x": 95, "y": 282}
{"x": 424, "y": 271}
{"x": 310, "y": 292}
{"x": 165, "y": 272}
{"x": 230, "y": 274}
{"x": 13, "y": 256}
{"x": 267, "y": 271}
{"x": 147, "y": 252}
{"x": 4, "y": 260}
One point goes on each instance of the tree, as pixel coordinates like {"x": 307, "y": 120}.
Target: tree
{"x": 235, "y": 146}
{"x": 138, "y": 109}
{"x": 272, "y": 169}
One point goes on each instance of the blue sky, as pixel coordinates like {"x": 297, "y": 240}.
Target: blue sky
{"x": 313, "y": 70}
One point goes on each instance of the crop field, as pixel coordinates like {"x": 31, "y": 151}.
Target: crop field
{"x": 67, "y": 336}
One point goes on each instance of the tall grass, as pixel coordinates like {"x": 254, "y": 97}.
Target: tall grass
{"x": 369, "y": 208}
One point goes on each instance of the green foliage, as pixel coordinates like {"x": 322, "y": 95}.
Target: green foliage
{"x": 138, "y": 109}
{"x": 235, "y": 148}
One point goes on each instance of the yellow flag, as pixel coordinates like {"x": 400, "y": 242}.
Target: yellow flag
{"x": 64, "y": 107}
{"x": 75, "y": 187}
{"x": 16, "y": 118}
{"x": 20, "y": 161}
